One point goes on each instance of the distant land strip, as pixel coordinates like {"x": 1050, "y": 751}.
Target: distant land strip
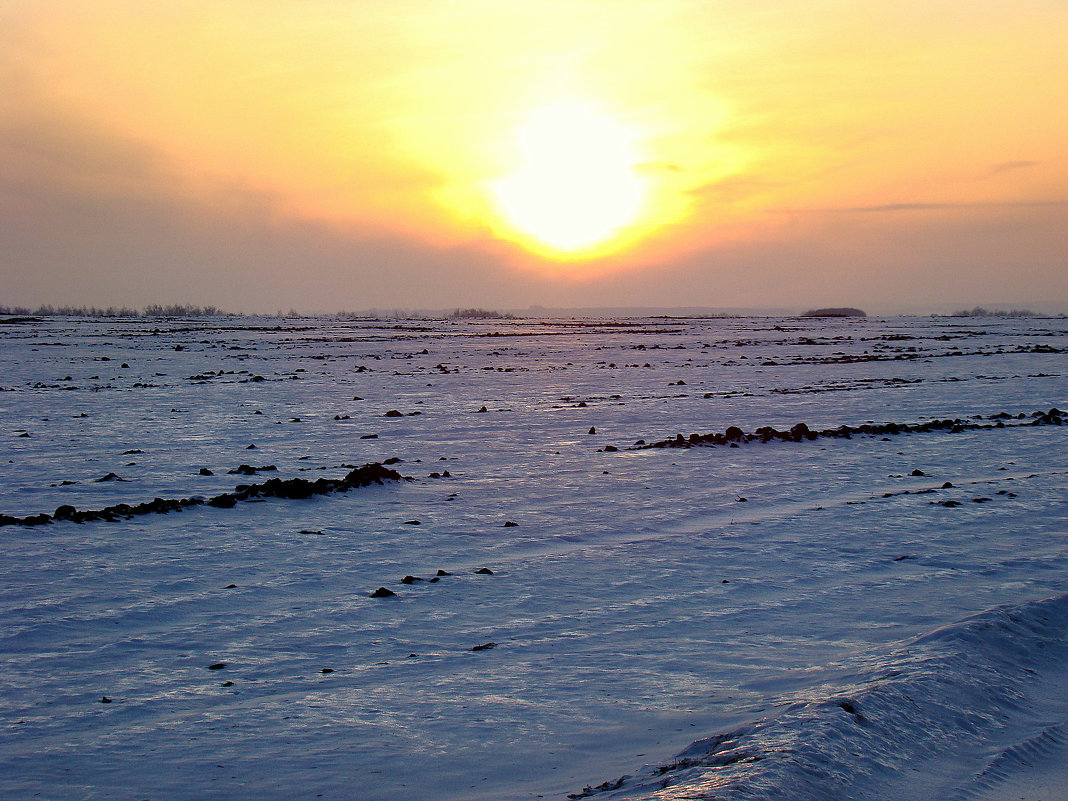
{"x": 734, "y": 436}
{"x": 293, "y": 489}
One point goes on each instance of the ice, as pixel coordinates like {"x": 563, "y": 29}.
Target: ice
{"x": 640, "y": 608}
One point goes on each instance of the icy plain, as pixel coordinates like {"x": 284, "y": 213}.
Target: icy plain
{"x": 872, "y": 617}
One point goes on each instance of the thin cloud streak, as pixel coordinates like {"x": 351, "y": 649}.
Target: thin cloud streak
{"x": 1009, "y": 166}
{"x": 897, "y": 207}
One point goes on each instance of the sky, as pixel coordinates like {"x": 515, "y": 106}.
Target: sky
{"x": 330, "y": 155}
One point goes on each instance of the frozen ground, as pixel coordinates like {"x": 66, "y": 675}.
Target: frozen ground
{"x": 778, "y": 620}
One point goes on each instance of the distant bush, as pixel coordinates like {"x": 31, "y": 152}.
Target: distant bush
{"x": 979, "y": 311}
{"x": 842, "y": 312}
{"x": 479, "y": 314}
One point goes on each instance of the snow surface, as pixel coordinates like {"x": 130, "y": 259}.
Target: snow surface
{"x": 777, "y": 620}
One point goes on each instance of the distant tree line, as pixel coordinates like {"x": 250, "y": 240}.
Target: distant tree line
{"x": 480, "y": 314}
{"x": 154, "y": 310}
{"x": 979, "y": 311}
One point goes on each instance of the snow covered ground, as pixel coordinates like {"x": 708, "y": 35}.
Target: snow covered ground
{"x": 871, "y": 617}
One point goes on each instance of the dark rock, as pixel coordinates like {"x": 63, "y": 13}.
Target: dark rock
{"x": 764, "y": 434}
{"x": 410, "y": 579}
{"x": 485, "y": 646}
{"x": 592, "y": 430}
{"x": 217, "y": 666}
{"x": 371, "y": 473}
{"x": 734, "y": 434}
{"x": 227, "y": 684}
{"x": 412, "y": 523}
{"x": 393, "y": 413}
{"x": 250, "y": 448}
{"x": 948, "y": 485}
{"x": 1052, "y": 417}
{"x": 327, "y": 670}
{"x": 382, "y": 592}
{"x": 510, "y": 524}
{"x": 443, "y": 573}
{"x": 484, "y": 571}
{"x": 369, "y": 436}
{"x": 483, "y": 410}
{"x": 917, "y": 472}
{"x": 108, "y": 477}
{"x": 105, "y": 700}
{"x": 65, "y": 512}
{"x": 206, "y": 472}
{"x": 249, "y": 470}
{"x": 848, "y": 706}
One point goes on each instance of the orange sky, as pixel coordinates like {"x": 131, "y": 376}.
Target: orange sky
{"x": 326, "y": 154}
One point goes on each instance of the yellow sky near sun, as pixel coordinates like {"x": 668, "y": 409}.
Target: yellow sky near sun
{"x": 410, "y": 116}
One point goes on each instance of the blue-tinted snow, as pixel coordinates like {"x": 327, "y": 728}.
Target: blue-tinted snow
{"x": 642, "y": 612}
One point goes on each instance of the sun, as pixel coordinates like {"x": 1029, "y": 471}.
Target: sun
{"x": 577, "y": 186}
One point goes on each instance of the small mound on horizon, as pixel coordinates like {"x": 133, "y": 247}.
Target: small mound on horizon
{"x": 845, "y": 311}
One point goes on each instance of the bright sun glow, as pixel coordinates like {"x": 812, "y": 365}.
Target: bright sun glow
{"x": 576, "y": 188}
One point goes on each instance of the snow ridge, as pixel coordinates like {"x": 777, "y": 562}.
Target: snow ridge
{"x": 946, "y": 695}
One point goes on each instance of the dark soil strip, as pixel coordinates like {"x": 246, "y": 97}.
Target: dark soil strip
{"x": 291, "y": 489}
{"x": 734, "y": 436}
